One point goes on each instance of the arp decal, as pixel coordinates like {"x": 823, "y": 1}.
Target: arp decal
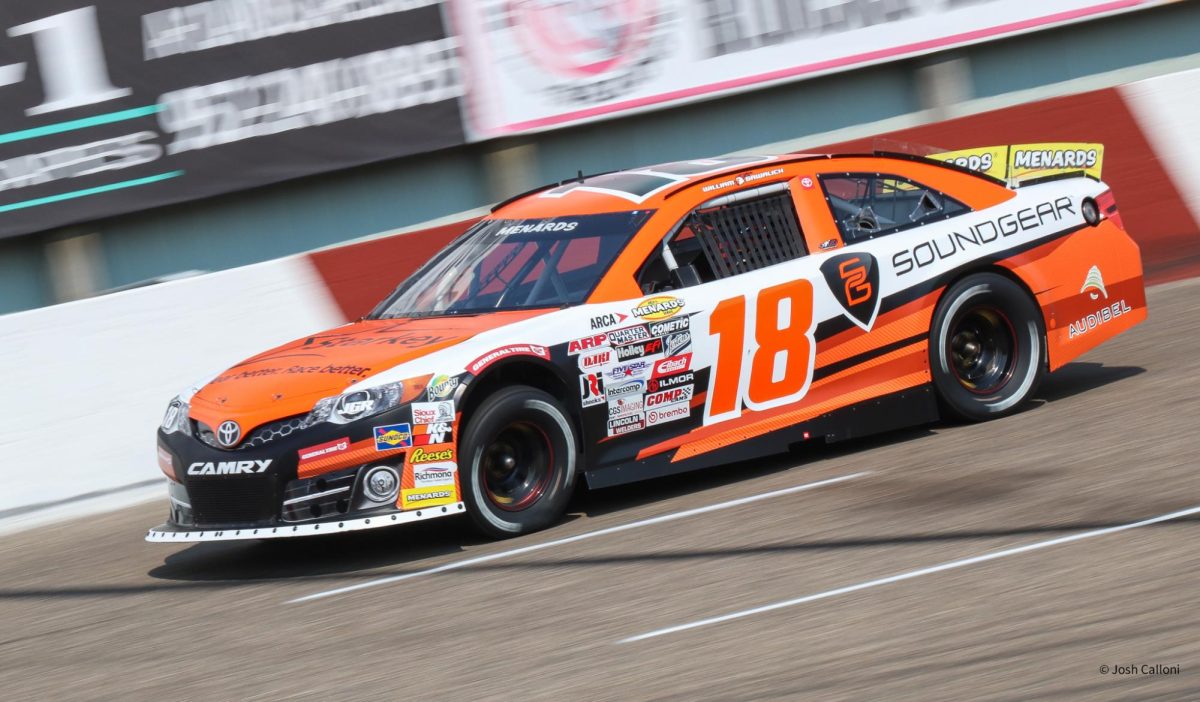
{"x": 487, "y": 359}
{"x": 853, "y": 279}
{"x": 658, "y": 307}
{"x": 591, "y": 389}
{"x": 393, "y": 436}
{"x": 587, "y": 343}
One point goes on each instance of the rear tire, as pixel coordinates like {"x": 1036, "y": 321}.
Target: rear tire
{"x": 518, "y": 462}
{"x": 987, "y": 347}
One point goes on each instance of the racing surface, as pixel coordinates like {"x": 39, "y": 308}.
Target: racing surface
{"x": 90, "y": 611}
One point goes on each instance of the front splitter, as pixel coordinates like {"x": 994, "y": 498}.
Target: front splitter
{"x": 168, "y": 534}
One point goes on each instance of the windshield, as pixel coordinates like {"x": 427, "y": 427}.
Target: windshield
{"x": 517, "y": 264}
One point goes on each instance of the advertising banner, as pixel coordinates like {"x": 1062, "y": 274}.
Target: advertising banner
{"x": 541, "y": 64}
{"x": 125, "y": 105}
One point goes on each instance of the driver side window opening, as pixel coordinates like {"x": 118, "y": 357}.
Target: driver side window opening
{"x": 725, "y": 237}
{"x": 867, "y": 205}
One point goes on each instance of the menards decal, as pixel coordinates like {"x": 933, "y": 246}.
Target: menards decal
{"x": 1022, "y": 162}
{"x": 659, "y": 307}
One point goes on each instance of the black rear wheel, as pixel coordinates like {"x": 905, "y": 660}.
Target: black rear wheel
{"x": 519, "y": 457}
{"x": 986, "y": 347}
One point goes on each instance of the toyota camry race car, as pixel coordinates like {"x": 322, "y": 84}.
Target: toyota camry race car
{"x": 646, "y": 322}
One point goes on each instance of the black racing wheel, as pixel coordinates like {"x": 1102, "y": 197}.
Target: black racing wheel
{"x": 518, "y": 462}
{"x": 987, "y": 347}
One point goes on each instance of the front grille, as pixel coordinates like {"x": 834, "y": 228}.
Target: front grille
{"x": 273, "y": 431}
{"x": 261, "y": 436}
{"x": 225, "y": 500}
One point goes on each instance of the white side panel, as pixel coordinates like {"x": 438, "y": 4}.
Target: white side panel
{"x": 85, "y": 383}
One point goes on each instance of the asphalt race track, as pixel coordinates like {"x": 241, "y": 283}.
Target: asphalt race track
{"x": 951, "y": 562}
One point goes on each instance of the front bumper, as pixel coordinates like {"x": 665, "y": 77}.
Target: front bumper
{"x": 176, "y": 534}
{"x": 308, "y": 482}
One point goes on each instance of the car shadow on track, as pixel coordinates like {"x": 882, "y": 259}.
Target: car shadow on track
{"x": 1081, "y": 376}
{"x": 371, "y": 554}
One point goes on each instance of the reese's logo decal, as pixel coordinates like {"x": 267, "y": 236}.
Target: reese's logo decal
{"x": 853, "y": 279}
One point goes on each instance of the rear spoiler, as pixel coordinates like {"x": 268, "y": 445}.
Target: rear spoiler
{"x": 1022, "y": 164}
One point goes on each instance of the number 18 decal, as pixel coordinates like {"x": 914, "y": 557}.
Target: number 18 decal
{"x": 765, "y": 353}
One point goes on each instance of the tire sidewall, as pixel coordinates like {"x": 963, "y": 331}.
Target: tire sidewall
{"x": 988, "y": 290}
{"x": 496, "y": 412}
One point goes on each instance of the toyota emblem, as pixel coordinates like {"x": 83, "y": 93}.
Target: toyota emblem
{"x": 228, "y": 433}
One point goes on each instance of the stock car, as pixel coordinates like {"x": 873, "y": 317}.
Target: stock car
{"x": 641, "y": 323}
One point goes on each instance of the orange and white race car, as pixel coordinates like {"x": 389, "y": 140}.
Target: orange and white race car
{"x": 646, "y": 322}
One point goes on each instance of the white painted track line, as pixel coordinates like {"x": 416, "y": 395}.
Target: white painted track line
{"x": 579, "y": 537}
{"x": 962, "y": 563}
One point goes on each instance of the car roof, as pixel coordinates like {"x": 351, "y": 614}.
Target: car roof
{"x": 649, "y": 187}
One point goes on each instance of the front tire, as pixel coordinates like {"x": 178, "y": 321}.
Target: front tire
{"x": 518, "y": 462}
{"x": 986, "y": 347}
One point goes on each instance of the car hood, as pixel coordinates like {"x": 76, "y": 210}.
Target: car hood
{"x": 287, "y": 380}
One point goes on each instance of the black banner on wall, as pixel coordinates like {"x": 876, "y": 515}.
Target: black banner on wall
{"x": 125, "y": 105}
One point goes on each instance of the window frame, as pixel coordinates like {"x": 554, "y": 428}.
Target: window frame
{"x": 849, "y": 240}
{"x": 662, "y": 251}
